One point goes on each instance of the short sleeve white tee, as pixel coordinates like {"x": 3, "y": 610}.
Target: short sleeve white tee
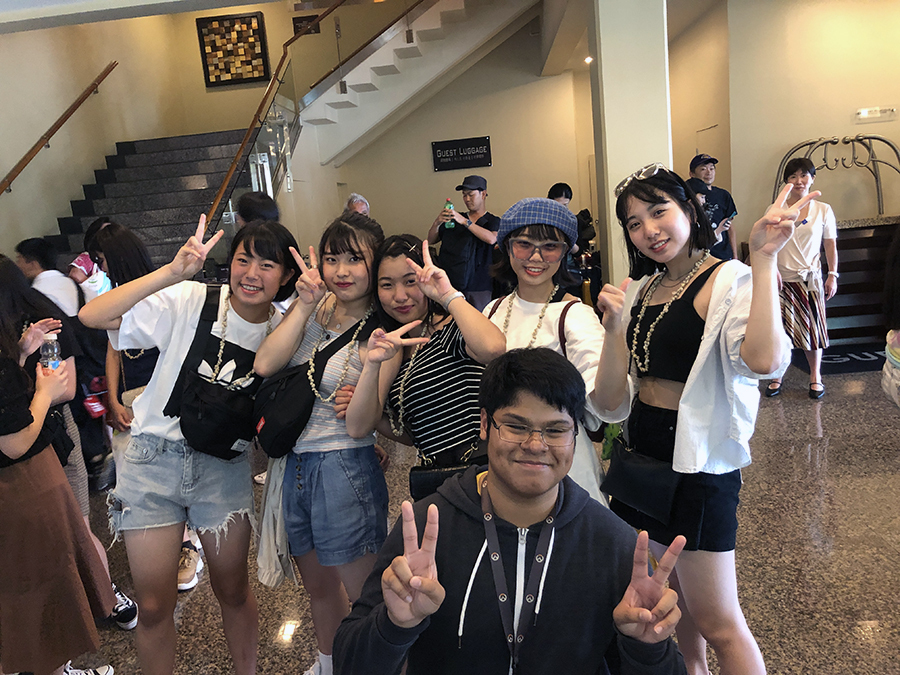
{"x": 800, "y": 255}
{"x": 168, "y": 321}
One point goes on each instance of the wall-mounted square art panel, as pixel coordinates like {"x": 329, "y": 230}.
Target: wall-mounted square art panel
{"x": 233, "y": 49}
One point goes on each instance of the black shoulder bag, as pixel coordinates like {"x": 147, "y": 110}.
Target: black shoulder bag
{"x": 212, "y": 416}
{"x": 285, "y": 401}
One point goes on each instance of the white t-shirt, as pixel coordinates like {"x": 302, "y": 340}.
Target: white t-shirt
{"x": 168, "y": 320}
{"x": 800, "y": 255}
{"x": 59, "y": 288}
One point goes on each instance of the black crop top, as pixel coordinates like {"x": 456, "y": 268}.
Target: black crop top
{"x": 675, "y": 342}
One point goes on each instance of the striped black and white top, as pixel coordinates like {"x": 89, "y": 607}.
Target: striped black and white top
{"x": 440, "y": 402}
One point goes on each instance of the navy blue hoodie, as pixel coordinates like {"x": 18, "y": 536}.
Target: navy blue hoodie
{"x": 589, "y": 567}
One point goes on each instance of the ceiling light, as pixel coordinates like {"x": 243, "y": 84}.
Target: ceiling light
{"x": 588, "y": 59}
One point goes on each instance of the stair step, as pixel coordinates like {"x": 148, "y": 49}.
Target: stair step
{"x": 233, "y": 137}
{"x": 146, "y": 187}
{"x": 341, "y": 103}
{"x": 386, "y": 69}
{"x": 453, "y": 16}
{"x": 111, "y": 207}
{"x": 362, "y": 86}
{"x": 408, "y": 52}
{"x": 172, "y": 156}
{"x": 431, "y": 34}
{"x": 126, "y": 174}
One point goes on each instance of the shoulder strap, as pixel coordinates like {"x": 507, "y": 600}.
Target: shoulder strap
{"x": 562, "y": 325}
{"x": 208, "y": 317}
{"x": 496, "y": 306}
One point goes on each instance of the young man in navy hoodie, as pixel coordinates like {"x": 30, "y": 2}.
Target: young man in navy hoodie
{"x": 529, "y": 575}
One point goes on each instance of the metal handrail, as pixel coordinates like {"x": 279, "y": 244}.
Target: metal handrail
{"x": 44, "y": 141}
{"x": 264, "y": 104}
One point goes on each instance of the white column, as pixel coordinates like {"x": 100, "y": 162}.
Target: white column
{"x": 630, "y": 96}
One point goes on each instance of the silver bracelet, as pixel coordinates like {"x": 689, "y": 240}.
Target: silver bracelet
{"x": 450, "y": 298}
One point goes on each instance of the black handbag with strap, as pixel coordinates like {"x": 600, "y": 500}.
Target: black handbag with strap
{"x": 284, "y": 402}
{"x": 641, "y": 482}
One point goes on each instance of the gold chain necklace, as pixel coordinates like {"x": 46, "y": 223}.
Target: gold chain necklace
{"x": 399, "y": 429}
{"x": 540, "y": 320}
{"x": 135, "y": 357}
{"x": 238, "y": 383}
{"x": 645, "y": 366}
{"x": 312, "y": 366}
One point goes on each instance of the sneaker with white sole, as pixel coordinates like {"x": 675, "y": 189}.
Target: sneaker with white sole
{"x": 125, "y": 613}
{"x": 189, "y": 565}
{"x": 102, "y": 670}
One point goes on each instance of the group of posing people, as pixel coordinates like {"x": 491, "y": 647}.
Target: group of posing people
{"x": 531, "y": 572}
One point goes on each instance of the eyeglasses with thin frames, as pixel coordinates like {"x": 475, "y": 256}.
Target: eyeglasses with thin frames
{"x": 641, "y": 174}
{"x": 551, "y": 251}
{"x": 520, "y": 433}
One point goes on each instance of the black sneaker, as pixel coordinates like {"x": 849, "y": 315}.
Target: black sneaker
{"x": 125, "y": 613}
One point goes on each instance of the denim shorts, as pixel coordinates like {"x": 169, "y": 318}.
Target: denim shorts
{"x": 160, "y": 482}
{"x": 335, "y": 503}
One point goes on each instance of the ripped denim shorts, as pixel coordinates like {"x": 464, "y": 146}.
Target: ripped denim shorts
{"x": 160, "y": 482}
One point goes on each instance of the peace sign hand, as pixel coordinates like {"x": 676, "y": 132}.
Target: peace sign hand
{"x": 190, "y": 257}
{"x": 383, "y": 346}
{"x": 649, "y": 609}
{"x": 409, "y": 585}
{"x": 310, "y": 286}
{"x": 431, "y": 279}
{"x": 771, "y": 232}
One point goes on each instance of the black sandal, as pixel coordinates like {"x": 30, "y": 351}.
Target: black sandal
{"x": 773, "y": 389}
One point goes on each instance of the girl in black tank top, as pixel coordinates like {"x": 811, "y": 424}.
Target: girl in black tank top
{"x": 676, "y": 340}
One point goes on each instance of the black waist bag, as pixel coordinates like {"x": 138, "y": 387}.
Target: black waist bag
{"x": 212, "y": 416}
{"x": 284, "y": 402}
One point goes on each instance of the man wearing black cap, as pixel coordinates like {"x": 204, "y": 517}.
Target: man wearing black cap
{"x": 719, "y": 205}
{"x": 466, "y": 242}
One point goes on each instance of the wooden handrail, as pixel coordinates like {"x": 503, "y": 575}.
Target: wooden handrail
{"x": 263, "y": 106}
{"x": 43, "y": 140}
{"x": 364, "y": 45}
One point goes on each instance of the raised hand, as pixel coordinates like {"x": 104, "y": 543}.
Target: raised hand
{"x": 190, "y": 257}
{"x": 409, "y": 585}
{"x": 34, "y": 335}
{"x": 771, "y": 232}
{"x": 649, "y": 609}
{"x": 310, "y": 286}
{"x": 431, "y": 279}
{"x": 383, "y": 346}
{"x": 611, "y": 301}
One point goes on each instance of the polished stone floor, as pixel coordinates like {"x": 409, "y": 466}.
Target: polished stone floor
{"x": 818, "y": 551}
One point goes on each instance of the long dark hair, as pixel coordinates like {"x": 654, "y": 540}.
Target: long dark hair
{"x": 504, "y": 271}
{"x": 665, "y": 185}
{"x": 398, "y": 245}
{"x": 126, "y": 255}
{"x": 20, "y": 304}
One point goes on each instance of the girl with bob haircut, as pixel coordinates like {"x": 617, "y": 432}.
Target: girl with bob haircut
{"x": 424, "y": 395}
{"x": 164, "y": 482}
{"x": 534, "y": 237}
{"x": 699, "y": 334}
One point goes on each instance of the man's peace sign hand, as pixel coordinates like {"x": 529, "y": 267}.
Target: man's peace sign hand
{"x": 409, "y": 585}
{"x": 649, "y": 609}
{"x": 190, "y": 257}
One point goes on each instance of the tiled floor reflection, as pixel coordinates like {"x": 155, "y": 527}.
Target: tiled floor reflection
{"x": 818, "y": 548}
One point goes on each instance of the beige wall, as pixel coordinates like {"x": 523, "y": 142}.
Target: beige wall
{"x": 157, "y": 90}
{"x": 698, "y": 80}
{"x": 800, "y": 70}
{"x": 535, "y": 141}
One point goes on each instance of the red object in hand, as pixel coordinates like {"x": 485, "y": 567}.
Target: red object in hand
{"x": 94, "y": 406}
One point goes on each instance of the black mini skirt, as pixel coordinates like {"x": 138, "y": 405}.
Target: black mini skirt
{"x": 705, "y": 505}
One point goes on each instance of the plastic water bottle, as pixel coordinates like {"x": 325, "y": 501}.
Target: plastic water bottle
{"x": 450, "y": 224}
{"x": 50, "y": 352}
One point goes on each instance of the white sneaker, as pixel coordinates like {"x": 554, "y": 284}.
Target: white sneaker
{"x": 102, "y": 670}
{"x": 260, "y": 479}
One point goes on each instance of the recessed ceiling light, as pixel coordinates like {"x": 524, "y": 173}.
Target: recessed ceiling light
{"x": 588, "y": 59}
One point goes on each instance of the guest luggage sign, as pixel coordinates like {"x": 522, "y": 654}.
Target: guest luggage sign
{"x": 462, "y": 153}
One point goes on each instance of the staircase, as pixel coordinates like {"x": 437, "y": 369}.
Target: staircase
{"x": 156, "y": 187}
{"x": 449, "y": 38}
